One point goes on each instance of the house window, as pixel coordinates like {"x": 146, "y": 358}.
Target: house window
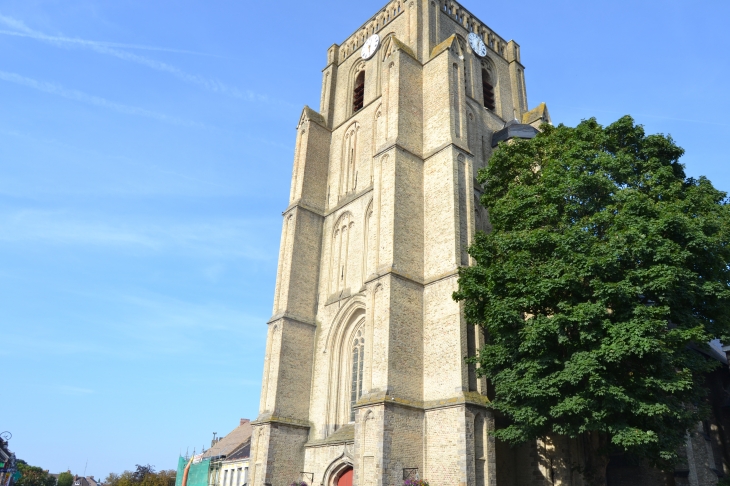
{"x": 358, "y": 96}
{"x": 488, "y": 90}
{"x": 245, "y": 475}
{"x": 358, "y": 358}
{"x": 225, "y": 477}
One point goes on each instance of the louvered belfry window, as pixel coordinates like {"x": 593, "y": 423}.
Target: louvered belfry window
{"x": 358, "y": 98}
{"x": 488, "y": 90}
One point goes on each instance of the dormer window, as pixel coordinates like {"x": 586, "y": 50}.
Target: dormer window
{"x": 488, "y": 90}
{"x": 358, "y": 96}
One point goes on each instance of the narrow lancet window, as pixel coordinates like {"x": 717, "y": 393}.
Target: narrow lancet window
{"x": 358, "y": 97}
{"x": 358, "y": 358}
{"x": 488, "y": 90}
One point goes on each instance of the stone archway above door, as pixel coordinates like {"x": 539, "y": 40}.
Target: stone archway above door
{"x": 345, "y": 478}
{"x": 336, "y": 470}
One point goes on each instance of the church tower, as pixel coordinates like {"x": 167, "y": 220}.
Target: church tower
{"x": 364, "y": 378}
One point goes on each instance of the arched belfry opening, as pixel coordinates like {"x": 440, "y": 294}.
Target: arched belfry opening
{"x": 488, "y": 90}
{"x": 358, "y": 94}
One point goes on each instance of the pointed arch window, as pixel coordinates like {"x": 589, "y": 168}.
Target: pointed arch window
{"x": 488, "y": 90}
{"x": 358, "y": 95}
{"x": 358, "y": 359}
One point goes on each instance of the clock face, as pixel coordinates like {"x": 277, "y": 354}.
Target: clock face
{"x": 370, "y": 46}
{"x": 477, "y": 45}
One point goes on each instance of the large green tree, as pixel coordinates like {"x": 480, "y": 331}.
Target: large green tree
{"x": 142, "y": 476}
{"x": 65, "y": 479}
{"x": 33, "y": 475}
{"x": 606, "y": 270}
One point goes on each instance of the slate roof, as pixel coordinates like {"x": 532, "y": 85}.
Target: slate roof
{"x": 513, "y": 129}
{"x": 230, "y": 443}
{"x": 85, "y": 481}
{"x": 242, "y": 452}
{"x": 537, "y": 115}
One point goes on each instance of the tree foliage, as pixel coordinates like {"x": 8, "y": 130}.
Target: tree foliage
{"x": 33, "y": 475}
{"x": 65, "y": 479}
{"x": 142, "y": 476}
{"x": 606, "y": 271}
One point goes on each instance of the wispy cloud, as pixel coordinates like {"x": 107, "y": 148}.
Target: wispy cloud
{"x": 60, "y": 40}
{"x": 133, "y": 325}
{"x": 53, "y": 227}
{"x": 75, "y": 95}
{"x": 112, "y": 49}
{"x": 233, "y": 238}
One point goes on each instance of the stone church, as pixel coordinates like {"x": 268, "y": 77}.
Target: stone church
{"x": 364, "y": 378}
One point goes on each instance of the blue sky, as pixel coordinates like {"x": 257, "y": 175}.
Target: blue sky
{"x": 145, "y": 158}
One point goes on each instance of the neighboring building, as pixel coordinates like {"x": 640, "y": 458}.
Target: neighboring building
{"x": 364, "y": 378}
{"x": 5, "y": 454}
{"x": 224, "y": 464}
{"x": 7, "y": 464}
{"x": 234, "y": 468}
{"x": 85, "y": 481}
{"x": 229, "y": 456}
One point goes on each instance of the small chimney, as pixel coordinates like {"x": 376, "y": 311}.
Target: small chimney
{"x": 244, "y": 421}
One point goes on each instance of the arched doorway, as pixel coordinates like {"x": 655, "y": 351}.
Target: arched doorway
{"x": 345, "y": 478}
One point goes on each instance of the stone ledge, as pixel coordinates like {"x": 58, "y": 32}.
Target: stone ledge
{"x": 447, "y": 145}
{"x": 265, "y": 419}
{"x": 443, "y": 276}
{"x": 301, "y": 204}
{"x": 384, "y": 272}
{"x": 394, "y": 145}
{"x": 468, "y": 398}
{"x": 380, "y": 398}
{"x": 345, "y": 435}
{"x": 290, "y": 317}
{"x": 338, "y": 296}
{"x": 348, "y": 199}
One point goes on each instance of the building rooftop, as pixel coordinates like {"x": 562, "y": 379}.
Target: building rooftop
{"x": 242, "y": 452}
{"x": 231, "y": 442}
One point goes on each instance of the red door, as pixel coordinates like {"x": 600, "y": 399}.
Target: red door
{"x": 345, "y": 479}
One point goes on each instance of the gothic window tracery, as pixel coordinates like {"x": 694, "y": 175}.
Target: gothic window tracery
{"x": 358, "y": 362}
{"x": 350, "y": 160}
{"x": 340, "y": 251}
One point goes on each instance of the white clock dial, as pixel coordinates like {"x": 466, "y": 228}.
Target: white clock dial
{"x": 370, "y": 46}
{"x": 477, "y": 45}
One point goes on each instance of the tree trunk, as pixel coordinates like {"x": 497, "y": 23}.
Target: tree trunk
{"x": 596, "y": 458}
